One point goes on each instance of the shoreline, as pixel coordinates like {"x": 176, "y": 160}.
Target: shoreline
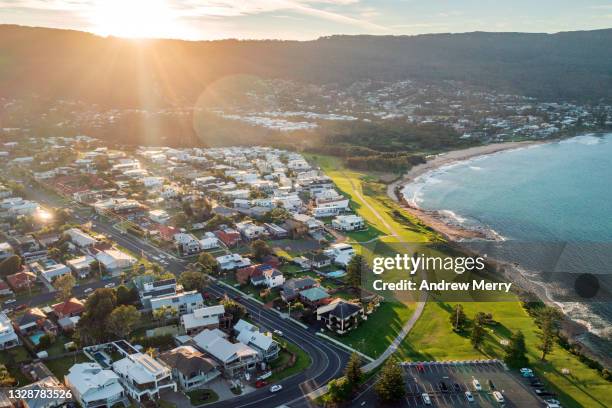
{"x": 435, "y": 219}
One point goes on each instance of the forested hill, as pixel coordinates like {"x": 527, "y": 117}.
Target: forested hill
{"x": 123, "y": 73}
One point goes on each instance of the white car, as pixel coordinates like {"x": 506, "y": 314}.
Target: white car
{"x": 8, "y": 302}
{"x": 526, "y": 372}
{"x": 109, "y": 285}
{"x": 276, "y": 388}
{"x": 469, "y": 397}
{"x": 88, "y": 290}
{"x": 426, "y": 399}
{"x": 278, "y": 333}
{"x": 477, "y": 385}
{"x": 498, "y": 396}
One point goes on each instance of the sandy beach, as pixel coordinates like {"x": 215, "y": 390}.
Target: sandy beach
{"x": 434, "y": 219}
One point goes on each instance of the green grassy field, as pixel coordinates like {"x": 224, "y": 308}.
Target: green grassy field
{"x": 302, "y": 362}
{"x": 432, "y": 337}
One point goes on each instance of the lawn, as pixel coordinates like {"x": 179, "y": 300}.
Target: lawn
{"x": 12, "y": 358}
{"x": 433, "y": 339}
{"x": 302, "y": 362}
{"x": 61, "y": 366}
{"x": 199, "y": 397}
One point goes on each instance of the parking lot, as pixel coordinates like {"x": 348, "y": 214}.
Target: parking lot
{"x": 458, "y": 377}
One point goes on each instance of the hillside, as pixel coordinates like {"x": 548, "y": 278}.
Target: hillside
{"x": 122, "y": 73}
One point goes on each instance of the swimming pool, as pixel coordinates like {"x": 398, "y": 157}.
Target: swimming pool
{"x": 35, "y": 338}
{"x": 335, "y": 274}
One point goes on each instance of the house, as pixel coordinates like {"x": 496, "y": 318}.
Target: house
{"x": 183, "y": 302}
{"x": 329, "y": 203}
{"x": 235, "y": 359}
{"x": 211, "y": 317}
{"x": 33, "y": 320}
{"x": 268, "y": 277}
{"x": 58, "y": 394}
{"x": 312, "y": 224}
{"x": 293, "y": 287}
{"x": 70, "y": 308}
{"x": 350, "y": 222}
{"x": 276, "y": 231}
{"x": 93, "y": 386}
{"x": 188, "y": 244}
{"x": 159, "y": 216}
{"x": 314, "y": 296}
{"x": 25, "y": 243}
{"x": 190, "y": 368}
{"x": 341, "y": 316}
{"x": 80, "y": 239}
{"x": 263, "y": 343}
{"x": 8, "y": 337}
{"x": 114, "y": 260}
{"x": 6, "y": 250}
{"x": 21, "y": 280}
{"x": 341, "y": 253}
{"x": 229, "y": 236}
{"x": 249, "y": 230}
{"x": 148, "y": 288}
{"x": 49, "y": 270}
{"x": 317, "y": 260}
{"x": 81, "y": 266}
{"x": 210, "y": 241}
{"x": 143, "y": 377}
{"x": 232, "y": 261}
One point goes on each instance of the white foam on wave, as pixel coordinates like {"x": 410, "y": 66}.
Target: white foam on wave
{"x": 587, "y": 140}
{"x": 476, "y": 168}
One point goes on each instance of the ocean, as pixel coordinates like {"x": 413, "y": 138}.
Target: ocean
{"x": 545, "y": 198}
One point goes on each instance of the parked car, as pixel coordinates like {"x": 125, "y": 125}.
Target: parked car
{"x": 278, "y": 333}
{"x": 88, "y": 290}
{"x": 476, "y": 385}
{"x": 498, "y": 396}
{"x": 457, "y": 387}
{"x": 8, "y": 302}
{"x": 276, "y": 388}
{"x": 443, "y": 387}
{"x": 469, "y": 397}
{"x": 491, "y": 385}
{"x": 261, "y": 384}
{"x": 526, "y": 372}
{"x": 426, "y": 399}
{"x": 110, "y": 285}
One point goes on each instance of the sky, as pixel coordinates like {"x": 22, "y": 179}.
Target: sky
{"x": 304, "y": 19}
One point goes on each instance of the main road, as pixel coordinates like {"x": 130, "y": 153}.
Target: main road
{"x": 328, "y": 360}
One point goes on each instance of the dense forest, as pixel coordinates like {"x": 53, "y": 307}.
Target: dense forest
{"x": 123, "y": 73}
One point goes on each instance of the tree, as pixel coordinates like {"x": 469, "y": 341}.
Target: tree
{"x": 10, "y": 265}
{"x": 353, "y": 372}
{"x": 54, "y": 253}
{"x": 164, "y": 313}
{"x": 64, "y": 285}
{"x": 98, "y": 307}
{"x": 234, "y": 308}
{"x": 458, "y": 318}
{"x": 208, "y": 263}
{"x": 339, "y": 390}
{"x": 125, "y": 295}
{"x": 516, "y": 351}
{"x": 45, "y": 342}
{"x": 122, "y": 320}
{"x": 5, "y": 377}
{"x": 549, "y": 319}
{"x": 483, "y": 318}
{"x": 277, "y": 215}
{"x": 260, "y": 249}
{"x": 353, "y": 271}
{"x": 477, "y": 337}
{"x": 193, "y": 280}
{"x": 390, "y": 387}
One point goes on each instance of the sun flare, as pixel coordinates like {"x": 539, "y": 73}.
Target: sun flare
{"x": 134, "y": 18}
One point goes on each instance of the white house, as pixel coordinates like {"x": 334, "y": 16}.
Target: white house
{"x": 183, "y": 302}
{"x": 93, "y": 386}
{"x": 210, "y": 241}
{"x": 80, "y": 239}
{"x": 270, "y": 277}
{"x": 341, "y": 253}
{"x": 263, "y": 343}
{"x": 49, "y": 270}
{"x": 187, "y": 243}
{"x": 236, "y": 359}
{"x": 6, "y": 250}
{"x": 8, "y": 337}
{"x": 202, "y": 318}
{"x": 159, "y": 216}
{"x": 114, "y": 260}
{"x": 232, "y": 261}
{"x": 249, "y": 230}
{"x": 143, "y": 377}
{"x": 350, "y": 222}
{"x": 81, "y": 266}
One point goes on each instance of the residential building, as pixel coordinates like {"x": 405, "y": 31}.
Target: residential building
{"x": 268, "y": 277}
{"x": 293, "y": 287}
{"x": 8, "y": 337}
{"x": 341, "y": 316}
{"x": 6, "y": 250}
{"x": 47, "y": 386}
{"x": 263, "y": 343}
{"x": 210, "y": 241}
{"x": 183, "y": 302}
{"x": 314, "y": 296}
{"x": 114, "y": 260}
{"x": 188, "y": 244}
{"x": 93, "y": 386}
{"x": 211, "y": 317}
{"x": 341, "y": 253}
{"x": 143, "y": 377}
{"x": 81, "y": 266}
{"x": 190, "y": 368}
{"x": 33, "y": 320}
{"x": 350, "y": 222}
{"x": 49, "y": 270}
{"x": 229, "y": 236}
{"x": 317, "y": 260}
{"x": 276, "y": 231}
{"x": 70, "y": 308}
{"x": 249, "y": 230}
{"x": 80, "y": 238}
{"x": 235, "y": 359}
{"x": 21, "y": 280}
{"x": 159, "y": 216}
{"x": 232, "y": 261}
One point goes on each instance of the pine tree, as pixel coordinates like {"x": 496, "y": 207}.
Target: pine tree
{"x": 353, "y": 371}
{"x": 353, "y": 271}
{"x": 477, "y": 337}
{"x": 458, "y": 318}
{"x": 516, "y": 351}
{"x": 390, "y": 387}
